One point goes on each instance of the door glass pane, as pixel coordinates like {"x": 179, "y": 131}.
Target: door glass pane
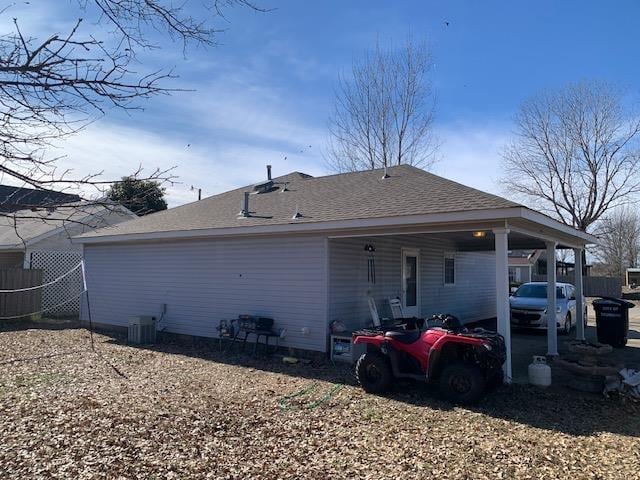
{"x": 411, "y": 280}
{"x": 449, "y": 271}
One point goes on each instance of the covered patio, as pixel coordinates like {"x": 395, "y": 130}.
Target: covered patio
{"x": 458, "y": 266}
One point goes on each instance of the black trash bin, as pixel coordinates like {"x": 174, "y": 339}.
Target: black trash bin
{"x": 612, "y": 320}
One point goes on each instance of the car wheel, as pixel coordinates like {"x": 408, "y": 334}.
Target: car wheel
{"x": 462, "y": 383}
{"x": 567, "y": 325}
{"x": 374, "y": 372}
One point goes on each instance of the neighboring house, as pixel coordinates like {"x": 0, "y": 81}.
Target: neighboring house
{"x": 13, "y": 199}
{"x": 40, "y": 238}
{"x": 307, "y": 250}
{"x": 632, "y": 277}
{"x": 522, "y": 265}
{"x": 528, "y": 265}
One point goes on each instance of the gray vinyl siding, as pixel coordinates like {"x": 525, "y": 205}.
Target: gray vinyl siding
{"x": 205, "y": 281}
{"x": 471, "y": 298}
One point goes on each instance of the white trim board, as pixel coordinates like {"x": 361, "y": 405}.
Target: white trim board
{"x": 452, "y": 219}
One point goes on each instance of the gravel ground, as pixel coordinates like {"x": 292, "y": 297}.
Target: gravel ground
{"x": 178, "y": 412}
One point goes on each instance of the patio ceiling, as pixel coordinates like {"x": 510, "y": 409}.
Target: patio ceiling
{"x": 523, "y": 234}
{"x": 465, "y": 241}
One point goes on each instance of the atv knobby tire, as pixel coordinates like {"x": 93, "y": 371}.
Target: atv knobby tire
{"x": 462, "y": 383}
{"x": 373, "y": 372}
{"x": 495, "y": 378}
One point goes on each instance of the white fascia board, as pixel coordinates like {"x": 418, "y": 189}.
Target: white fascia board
{"x": 335, "y": 227}
{"x": 330, "y": 226}
{"x": 549, "y": 222}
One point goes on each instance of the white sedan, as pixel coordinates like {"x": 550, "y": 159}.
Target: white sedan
{"x": 529, "y": 306}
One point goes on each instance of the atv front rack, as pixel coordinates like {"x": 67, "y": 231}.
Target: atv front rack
{"x": 368, "y": 332}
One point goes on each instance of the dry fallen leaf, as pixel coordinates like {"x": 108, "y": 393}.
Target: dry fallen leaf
{"x": 185, "y": 412}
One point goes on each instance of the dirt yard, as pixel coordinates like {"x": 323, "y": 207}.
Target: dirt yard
{"x": 178, "y": 412}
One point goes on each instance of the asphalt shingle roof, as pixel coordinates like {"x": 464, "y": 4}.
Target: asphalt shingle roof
{"x": 19, "y": 227}
{"x": 13, "y": 199}
{"x": 358, "y": 195}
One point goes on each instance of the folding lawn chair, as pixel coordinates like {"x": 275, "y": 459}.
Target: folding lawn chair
{"x": 396, "y": 308}
{"x": 398, "y": 316}
{"x": 374, "y": 312}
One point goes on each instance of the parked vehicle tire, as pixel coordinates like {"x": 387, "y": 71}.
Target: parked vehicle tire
{"x": 374, "y": 372}
{"x": 566, "y": 330}
{"x": 462, "y": 383}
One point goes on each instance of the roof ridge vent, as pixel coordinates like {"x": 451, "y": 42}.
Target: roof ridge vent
{"x": 263, "y": 187}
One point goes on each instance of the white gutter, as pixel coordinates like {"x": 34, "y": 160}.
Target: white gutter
{"x": 309, "y": 227}
{"x": 337, "y": 225}
{"x": 549, "y": 222}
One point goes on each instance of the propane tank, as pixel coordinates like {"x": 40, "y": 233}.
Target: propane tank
{"x": 539, "y": 372}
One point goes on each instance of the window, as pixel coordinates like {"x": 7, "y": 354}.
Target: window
{"x": 512, "y": 274}
{"x": 449, "y": 269}
{"x": 537, "y": 290}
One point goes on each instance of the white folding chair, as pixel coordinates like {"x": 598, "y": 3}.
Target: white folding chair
{"x": 374, "y": 312}
{"x": 396, "y": 308}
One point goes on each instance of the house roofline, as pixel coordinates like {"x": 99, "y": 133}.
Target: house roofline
{"x": 22, "y": 246}
{"x": 518, "y": 212}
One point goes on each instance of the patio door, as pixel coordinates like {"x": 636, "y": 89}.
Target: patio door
{"x": 410, "y": 282}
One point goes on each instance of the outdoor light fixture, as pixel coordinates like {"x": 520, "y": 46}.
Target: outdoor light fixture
{"x": 480, "y": 234}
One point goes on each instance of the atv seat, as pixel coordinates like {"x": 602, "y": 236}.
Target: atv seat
{"x": 406, "y": 336}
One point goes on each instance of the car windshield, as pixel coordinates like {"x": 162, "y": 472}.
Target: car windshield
{"x": 536, "y": 291}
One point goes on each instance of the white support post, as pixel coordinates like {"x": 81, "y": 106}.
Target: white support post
{"x": 552, "y": 328}
{"x": 503, "y": 311}
{"x": 577, "y": 271}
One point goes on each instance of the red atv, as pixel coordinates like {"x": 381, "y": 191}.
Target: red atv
{"x": 462, "y": 363}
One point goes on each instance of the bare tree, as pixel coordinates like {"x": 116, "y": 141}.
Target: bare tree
{"x": 576, "y": 153}
{"x": 384, "y": 110}
{"x": 52, "y": 86}
{"x": 619, "y": 234}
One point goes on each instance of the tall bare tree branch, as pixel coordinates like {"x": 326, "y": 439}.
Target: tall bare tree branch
{"x": 619, "y": 247}
{"x": 53, "y": 85}
{"x": 576, "y": 154}
{"x": 384, "y": 111}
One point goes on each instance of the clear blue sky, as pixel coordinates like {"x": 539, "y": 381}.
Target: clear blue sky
{"x": 265, "y": 92}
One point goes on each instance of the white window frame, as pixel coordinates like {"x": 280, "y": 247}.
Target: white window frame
{"x": 446, "y": 256}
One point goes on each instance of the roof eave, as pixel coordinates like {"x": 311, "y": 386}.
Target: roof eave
{"x": 333, "y": 226}
{"x": 545, "y": 220}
